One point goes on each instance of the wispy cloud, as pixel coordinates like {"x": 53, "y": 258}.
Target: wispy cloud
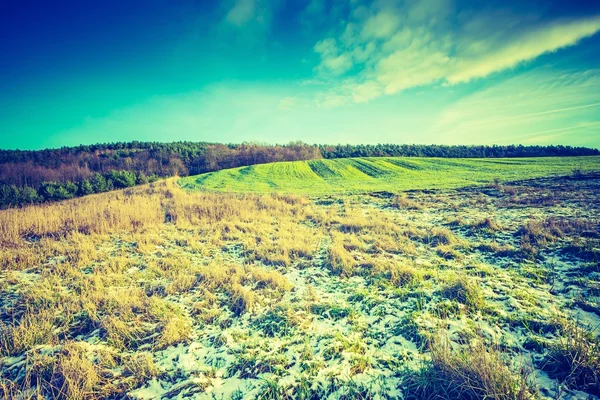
{"x": 546, "y": 38}
{"x": 250, "y": 20}
{"x": 533, "y": 114}
{"x": 527, "y": 108}
{"x": 386, "y": 47}
{"x": 241, "y": 12}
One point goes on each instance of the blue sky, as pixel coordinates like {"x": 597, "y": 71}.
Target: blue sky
{"x": 320, "y": 71}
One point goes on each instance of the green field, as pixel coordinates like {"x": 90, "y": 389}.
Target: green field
{"x": 394, "y": 174}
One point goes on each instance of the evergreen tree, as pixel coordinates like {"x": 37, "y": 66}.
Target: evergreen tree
{"x": 99, "y": 184}
{"x": 85, "y": 188}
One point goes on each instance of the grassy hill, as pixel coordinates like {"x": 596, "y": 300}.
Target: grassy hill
{"x": 382, "y": 173}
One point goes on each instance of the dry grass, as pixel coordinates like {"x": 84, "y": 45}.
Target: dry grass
{"x": 87, "y": 256}
{"x": 538, "y": 234}
{"x": 106, "y": 282}
{"x": 404, "y": 203}
{"x": 574, "y": 358}
{"x": 465, "y": 291}
{"x": 339, "y": 259}
{"x": 486, "y": 224}
{"x": 474, "y": 372}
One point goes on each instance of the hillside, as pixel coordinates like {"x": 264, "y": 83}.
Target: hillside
{"x": 38, "y": 176}
{"x": 383, "y": 174}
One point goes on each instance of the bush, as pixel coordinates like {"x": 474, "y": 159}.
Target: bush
{"x": 85, "y": 187}
{"x": 99, "y": 183}
{"x": 121, "y": 179}
{"x": 141, "y": 179}
{"x": 11, "y": 195}
{"x": 52, "y": 191}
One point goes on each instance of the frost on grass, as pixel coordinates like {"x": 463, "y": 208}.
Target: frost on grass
{"x": 157, "y": 292}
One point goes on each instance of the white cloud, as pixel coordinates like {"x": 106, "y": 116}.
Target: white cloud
{"x": 249, "y": 21}
{"x": 380, "y": 26}
{"x": 290, "y": 103}
{"x": 388, "y": 48}
{"x": 241, "y": 12}
{"x": 548, "y": 38}
{"x": 338, "y": 65}
{"x": 332, "y": 62}
{"x": 326, "y": 47}
{"x": 364, "y": 92}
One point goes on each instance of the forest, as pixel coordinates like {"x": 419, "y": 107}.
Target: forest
{"x": 35, "y": 176}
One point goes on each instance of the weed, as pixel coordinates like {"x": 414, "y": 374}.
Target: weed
{"x": 177, "y": 329}
{"x": 331, "y": 311}
{"x": 487, "y": 224}
{"x": 441, "y": 236}
{"x": 339, "y": 260}
{"x": 359, "y": 364}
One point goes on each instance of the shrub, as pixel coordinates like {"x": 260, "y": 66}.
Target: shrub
{"x": 99, "y": 183}
{"x": 53, "y": 191}
{"x": 85, "y": 188}
{"x": 121, "y": 179}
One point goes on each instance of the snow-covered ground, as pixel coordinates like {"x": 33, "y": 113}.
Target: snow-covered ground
{"x": 363, "y": 284}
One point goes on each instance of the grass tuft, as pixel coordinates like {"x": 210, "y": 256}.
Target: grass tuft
{"x": 574, "y": 359}
{"x": 464, "y": 291}
{"x": 473, "y": 372}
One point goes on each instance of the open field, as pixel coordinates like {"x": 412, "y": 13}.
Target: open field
{"x": 159, "y": 292}
{"x": 394, "y": 174}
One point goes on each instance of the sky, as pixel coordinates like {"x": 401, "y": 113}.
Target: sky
{"x": 319, "y": 71}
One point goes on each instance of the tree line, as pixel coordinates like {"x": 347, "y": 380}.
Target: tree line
{"x": 34, "y": 176}
{"x": 451, "y": 151}
{"x": 12, "y": 195}
{"x": 28, "y": 176}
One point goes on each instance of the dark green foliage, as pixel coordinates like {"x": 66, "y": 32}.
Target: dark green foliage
{"x": 53, "y": 191}
{"x": 28, "y": 195}
{"x": 85, "y": 187}
{"x": 417, "y": 150}
{"x": 121, "y": 179}
{"x": 98, "y": 183}
{"x": 141, "y": 179}
{"x": 9, "y": 194}
{"x": 12, "y": 196}
{"x": 50, "y": 174}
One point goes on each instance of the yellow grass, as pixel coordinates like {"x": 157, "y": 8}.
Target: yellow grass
{"x": 124, "y": 236}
